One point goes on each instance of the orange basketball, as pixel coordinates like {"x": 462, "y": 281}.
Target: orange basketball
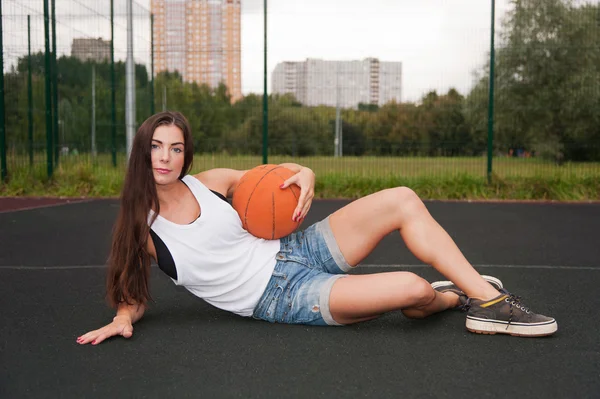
{"x": 265, "y": 209}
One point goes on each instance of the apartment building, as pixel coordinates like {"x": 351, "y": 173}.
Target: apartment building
{"x": 345, "y": 83}
{"x": 201, "y": 40}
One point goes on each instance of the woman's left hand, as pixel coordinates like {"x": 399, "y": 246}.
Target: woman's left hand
{"x": 305, "y": 179}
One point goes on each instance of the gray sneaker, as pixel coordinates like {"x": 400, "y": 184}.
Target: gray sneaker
{"x": 506, "y": 314}
{"x": 444, "y": 286}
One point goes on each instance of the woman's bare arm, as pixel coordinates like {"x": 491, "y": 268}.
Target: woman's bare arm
{"x": 122, "y": 323}
{"x": 221, "y": 180}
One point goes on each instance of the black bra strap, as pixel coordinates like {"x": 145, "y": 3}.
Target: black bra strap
{"x": 220, "y": 195}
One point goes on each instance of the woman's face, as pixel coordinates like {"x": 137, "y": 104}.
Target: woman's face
{"x": 167, "y": 154}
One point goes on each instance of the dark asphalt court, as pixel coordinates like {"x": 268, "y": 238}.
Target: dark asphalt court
{"x": 51, "y": 291}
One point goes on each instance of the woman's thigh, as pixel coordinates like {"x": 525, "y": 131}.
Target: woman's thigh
{"x": 363, "y": 297}
{"x": 361, "y": 225}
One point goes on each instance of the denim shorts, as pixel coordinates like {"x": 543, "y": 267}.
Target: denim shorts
{"x": 308, "y": 264}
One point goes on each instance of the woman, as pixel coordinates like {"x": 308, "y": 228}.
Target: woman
{"x": 184, "y": 224}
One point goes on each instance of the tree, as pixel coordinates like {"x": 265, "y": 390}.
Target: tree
{"x": 547, "y": 82}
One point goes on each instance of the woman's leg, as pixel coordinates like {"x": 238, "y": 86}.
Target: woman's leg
{"x": 360, "y": 226}
{"x": 363, "y": 297}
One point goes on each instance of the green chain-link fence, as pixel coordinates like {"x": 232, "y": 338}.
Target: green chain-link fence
{"x": 70, "y": 99}
{"x": 380, "y": 90}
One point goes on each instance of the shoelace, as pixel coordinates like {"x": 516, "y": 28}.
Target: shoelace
{"x": 515, "y": 300}
{"x": 466, "y": 306}
{"x": 512, "y": 300}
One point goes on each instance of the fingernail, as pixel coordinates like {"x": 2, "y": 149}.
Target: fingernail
{"x": 281, "y": 186}
{"x": 94, "y": 342}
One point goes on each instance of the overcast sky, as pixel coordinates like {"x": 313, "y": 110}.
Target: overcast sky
{"x": 439, "y": 42}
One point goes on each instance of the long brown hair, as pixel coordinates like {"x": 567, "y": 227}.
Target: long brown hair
{"x": 129, "y": 260}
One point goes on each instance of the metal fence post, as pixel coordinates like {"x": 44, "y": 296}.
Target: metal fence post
{"x": 265, "y": 95}
{"x": 54, "y": 87}
{"x": 490, "y": 146}
{"x": 151, "y": 64}
{"x": 3, "y": 169}
{"x": 129, "y": 82}
{"x": 29, "y": 94}
{"x": 49, "y": 152}
{"x": 113, "y": 101}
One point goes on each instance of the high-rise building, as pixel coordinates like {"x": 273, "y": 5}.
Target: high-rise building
{"x": 86, "y": 49}
{"x": 345, "y": 83}
{"x": 201, "y": 40}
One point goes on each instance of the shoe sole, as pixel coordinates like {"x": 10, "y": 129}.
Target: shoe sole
{"x": 486, "y": 326}
{"x": 492, "y": 280}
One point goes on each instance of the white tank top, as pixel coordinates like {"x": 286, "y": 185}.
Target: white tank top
{"x": 215, "y": 258}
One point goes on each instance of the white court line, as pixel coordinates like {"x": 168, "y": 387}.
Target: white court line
{"x": 384, "y": 266}
{"x": 53, "y": 267}
{"x": 68, "y": 202}
{"x": 559, "y": 267}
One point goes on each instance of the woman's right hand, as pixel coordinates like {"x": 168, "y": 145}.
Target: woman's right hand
{"x": 121, "y": 325}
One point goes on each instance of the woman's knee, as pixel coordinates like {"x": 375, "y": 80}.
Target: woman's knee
{"x": 403, "y": 203}
{"x": 423, "y": 295}
{"x": 420, "y": 292}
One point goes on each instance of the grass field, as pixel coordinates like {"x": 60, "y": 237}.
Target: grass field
{"x": 346, "y": 177}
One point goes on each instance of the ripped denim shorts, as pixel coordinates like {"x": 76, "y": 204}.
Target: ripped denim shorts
{"x": 308, "y": 264}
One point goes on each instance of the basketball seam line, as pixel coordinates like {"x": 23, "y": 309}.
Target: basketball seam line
{"x": 293, "y": 193}
{"x": 252, "y": 193}
{"x": 273, "y": 215}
